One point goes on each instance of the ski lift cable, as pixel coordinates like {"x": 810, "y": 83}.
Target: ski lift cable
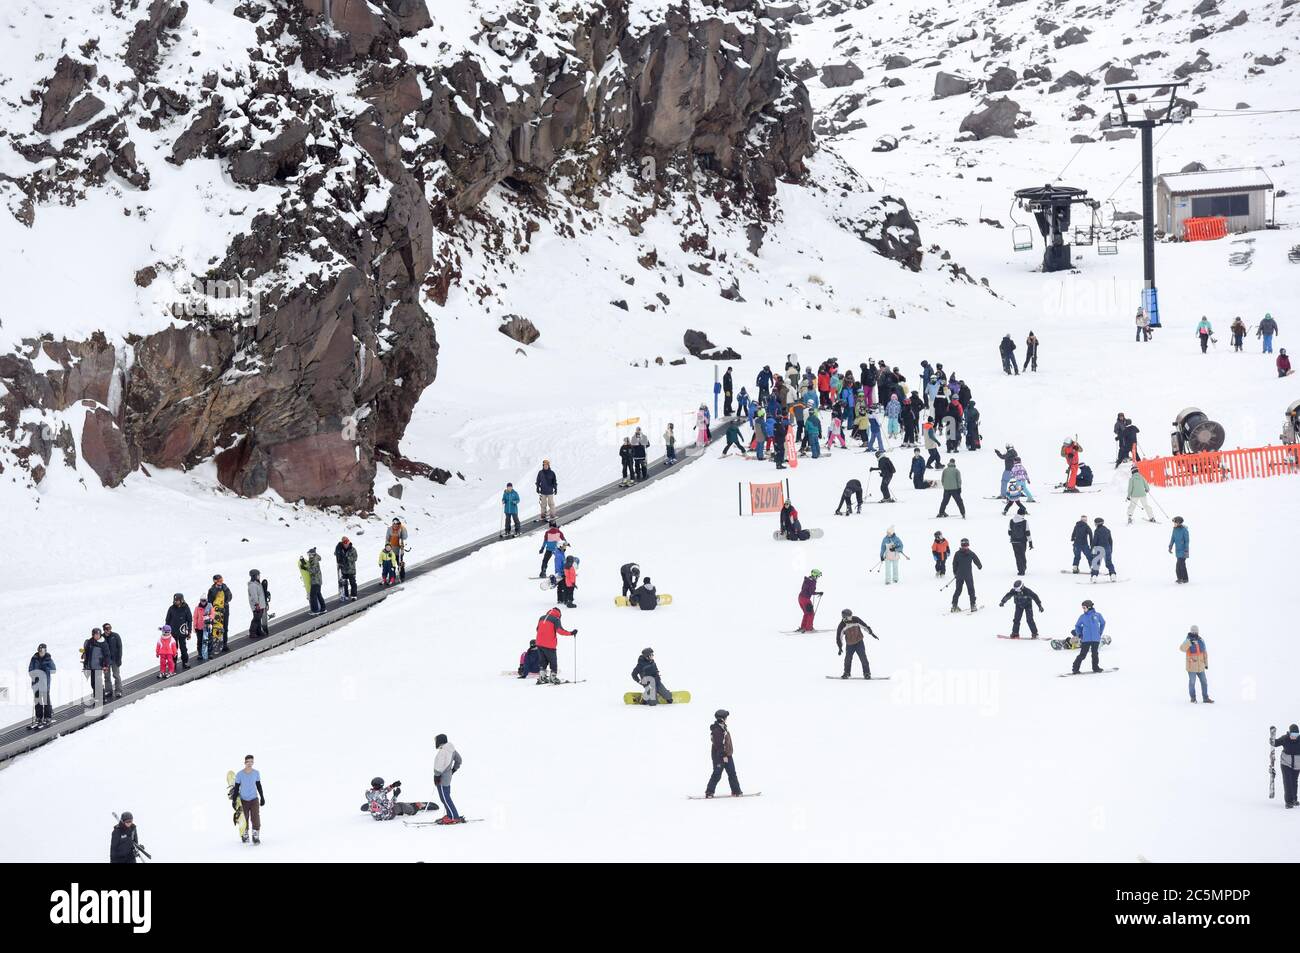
{"x": 1225, "y": 113}
{"x": 1137, "y": 165}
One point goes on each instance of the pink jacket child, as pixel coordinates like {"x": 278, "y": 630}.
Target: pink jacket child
{"x": 166, "y": 652}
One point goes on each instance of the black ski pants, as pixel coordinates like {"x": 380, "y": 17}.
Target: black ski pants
{"x": 1180, "y": 569}
{"x": 1084, "y": 649}
{"x": 316, "y": 598}
{"x": 955, "y": 496}
{"x": 884, "y": 486}
{"x": 860, "y": 650}
{"x": 1289, "y": 778}
{"x": 629, "y": 581}
{"x": 846, "y": 500}
{"x": 548, "y": 659}
{"x": 1027, "y": 611}
{"x": 968, "y": 583}
{"x": 1021, "y": 564}
{"x": 730, "y": 767}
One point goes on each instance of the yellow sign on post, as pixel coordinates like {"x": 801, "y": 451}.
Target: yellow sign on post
{"x": 629, "y": 422}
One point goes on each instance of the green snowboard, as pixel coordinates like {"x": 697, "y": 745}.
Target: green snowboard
{"x": 239, "y": 820}
{"x": 634, "y": 698}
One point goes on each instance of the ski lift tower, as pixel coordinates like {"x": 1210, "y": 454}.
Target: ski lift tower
{"x": 1051, "y": 207}
{"x": 1144, "y": 106}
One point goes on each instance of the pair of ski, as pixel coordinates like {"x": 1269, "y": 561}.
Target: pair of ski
{"x": 1091, "y": 578}
{"x": 859, "y": 678}
{"x": 41, "y": 725}
{"x": 720, "y": 797}
{"x": 437, "y": 822}
{"x": 958, "y": 610}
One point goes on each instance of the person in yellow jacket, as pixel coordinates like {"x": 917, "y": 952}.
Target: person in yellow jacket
{"x": 1198, "y": 660}
{"x": 388, "y": 565}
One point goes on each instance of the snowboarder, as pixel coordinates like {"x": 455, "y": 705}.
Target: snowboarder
{"x": 546, "y": 484}
{"x": 315, "y": 578}
{"x": 886, "y": 470}
{"x": 1089, "y": 629}
{"x": 382, "y": 804}
{"x": 249, "y": 795}
{"x": 852, "y": 492}
{"x": 548, "y": 627}
{"x": 567, "y": 582}
{"x": 646, "y": 674}
{"x": 1081, "y": 539}
{"x": 114, "y": 642}
{"x": 852, "y": 632}
{"x": 1138, "y": 488}
{"x": 644, "y": 597}
{"x": 510, "y": 504}
{"x": 41, "y": 670}
{"x": 939, "y": 550}
{"x": 1180, "y": 544}
{"x": 387, "y": 566}
{"x": 179, "y": 617}
{"x": 791, "y": 525}
{"x": 1204, "y": 331}
{"x": 1031, "y": 352}
{"x": 124, "y": 842}
{"x": 931, "y": 442}
{"x": 670, "y": 443}
{"x": 1290, "y": 745}
{"x": 951, "y": 480}
{"x": 1198, "y": 661}
{"x": 721, "y": 752}
{"x": 550, "y": 549}
{"x": 445, "y": 765}
{"x": 1102, "y": 546}
{"x": 806, "y": 592}
{"x": 1025, "y": 600}
{"x": 1008, "y": 351}
{"x": 396, "y": 538}
{"x": 629, "y": 573}
{"x": 891, "y": 551}
{"x": 258, "y": 603}
{"x": 1021, "y": 539}
{"x": 96, "y": 662}
{"x": 529, "y": 660}
{"x": 1283, "y": 364}
{"x": 964, "y": 562}
{"x": 1127, "y": 435}
{"x": 165, "y": 650}
{"x": 1266, "y": 330}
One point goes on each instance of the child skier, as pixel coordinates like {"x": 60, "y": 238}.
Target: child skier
{"x": 939, "y": 550}
{"x": 166, "y": 652}
{"x": 891, "y": 551}
{"x": 567, "y": 582}
{"x": 806, "y": 592}
{"x": 529, "y": 660}
{"x": 388, "y": 565}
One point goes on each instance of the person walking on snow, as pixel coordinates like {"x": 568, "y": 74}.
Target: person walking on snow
{"x": 445, "y": 765}
{"x": 931, "y": 446}
{"x": 964, "y": 563}
{"x": 1008, "y": 351}
{"x": 806, "y": 592}
{"x": 1180, "y": 544}
{"x": 1143, "y": 327}
{"x": 248, "y": 794}
{"x": 852, "y": 632}
{"x": 1021, "y": 540}
{"x": 1266, "y": 330}
{"x": 1088, "y": 629}
{"x": 1138, "y": 488}
{"x": 1031, "y": 352}
{"x": 509, "y": 503}
{"x": 1204, "y": 331}
{"x": 1290, "y": 745}
{"x": 721, "y": 751}
{"x": 891, "y": 551}
{"x": 1081, "y": 539}
{"x": 548, "y": 627}
{"x": 939, "y": 550}
{"x": 1025, "y": 600}
{"x": 1102, "y": 546}
{"x": 546, "y": 484}
{"x": 1198, "y": 661}
{"x": 1238, "y": 331}
{"x": 646, "y": 674}
{"x": 124, "y": 843}
{"x": 951, "y": 480}
{"x": 852, "y": 491}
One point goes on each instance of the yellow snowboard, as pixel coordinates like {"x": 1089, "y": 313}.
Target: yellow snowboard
{"x": 663, "y": 598}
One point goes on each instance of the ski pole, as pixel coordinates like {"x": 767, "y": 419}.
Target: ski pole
{"x": 1157, "y": 503}
{"x": 817, "y": 604}
{"x": 876, "y": 566}
{"x": 948, "y": 583}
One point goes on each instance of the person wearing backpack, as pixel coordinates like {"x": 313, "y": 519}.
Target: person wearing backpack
{"x": 1198, "y": 660}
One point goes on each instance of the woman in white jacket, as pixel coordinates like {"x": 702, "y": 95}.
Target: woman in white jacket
{"x": 446, "y": 763}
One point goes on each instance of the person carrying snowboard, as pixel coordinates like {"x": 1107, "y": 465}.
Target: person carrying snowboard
{"x": 529, "y": 660}
{"x": 1238, "y": 331}
{"x": 247, "y": 794}
{"x": 806, "y": 592}
{"x": 1198, "y": 661}
{"x": 567, "y": 582}
{"x": 629, "y": 573}
{"x": 646, "y": 674}
{"x": 316, "y": 578}
{"x": 1081, "y": 539}
{"x": 644, "y": 597}
{"x": 546, "y": 484}
{"x": 891, "y": 551}
{"x": 445, "y": 765}
{"x": 1088, "y": 630}
{"x": 1138, "y": 488}
{"x": 41, "y": 671}
{"x": 124, "y": 842}
{"x": 1180, "y": 544}
{"x": 939, "y": 550}
{"x": 852, "y": 492}
{"x": 550, "y": 550}
{"x": 964, "y": 563}
{"x": 509, "y": 504}
{"x": 1204, "y": 331}
{"x": 548, "y": 627}
{"x": 1021, "y": 540}
{"x": 886, "y": 470}
{"x": 179, "y": 617}
{"x": 852, "y": 632}
{"x": 397, "y": 539}
{"x": 951, "y": 480}
{"x": 721, "y": 751}
{"x": 1025, "y": 600}
{"x": 382, "y": 804}
{"x": 1102, "y": 546}
{"x": 345, "y": 562}
{"x": 1290, "y": 745}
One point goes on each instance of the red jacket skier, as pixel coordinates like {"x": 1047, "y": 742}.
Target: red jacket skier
{"x": 548, "y": 627}
{"x": 166, "y": 652}
{"x": 1070, "y": 450}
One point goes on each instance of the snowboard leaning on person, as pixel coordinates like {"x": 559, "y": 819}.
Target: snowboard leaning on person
{"x": 249, "y": 796}
{"x": 852, "y": 632}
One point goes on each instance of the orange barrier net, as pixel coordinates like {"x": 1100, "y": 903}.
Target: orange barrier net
{"x": 1219, "y": 466}
{"x": 1204, "y": 229}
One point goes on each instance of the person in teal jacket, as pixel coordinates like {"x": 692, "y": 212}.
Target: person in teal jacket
{"x": 1204, "y": 331}
{"x": 510, "y": 500}
{"x": 1180, "y": 544}
{"x": 812, "y": 427}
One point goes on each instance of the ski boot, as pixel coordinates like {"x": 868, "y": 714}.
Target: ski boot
{"x": 257, "y": 837}
{"x": 845, "y": 675}
{"x": 243, "y": 838}
{"x": 955, "y": 608}
{"x": 1076, "y": 570}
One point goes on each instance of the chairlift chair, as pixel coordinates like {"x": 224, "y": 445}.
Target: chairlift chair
{"x": 1022, "y": 236}
{"x": 1105, "y": 233}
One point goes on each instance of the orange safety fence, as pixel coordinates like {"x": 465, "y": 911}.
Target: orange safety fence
{"x": 1204, "y": 229}
{"x": 1219, "y": 466}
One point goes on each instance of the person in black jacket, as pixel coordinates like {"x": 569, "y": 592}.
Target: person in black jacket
{"x": 779, "y": 430}
{"x": 124, "y": 841}
{"x": 1018, "y": 531}
{"x": 41, "y": 669}
{"x": 854, "y": 632}
{"x": 1025, "y": 600}
{"x": 114, "y": 643}
{"x": 963, "y": 572}
{"x": 972, "y": 426}
{"x": 1008, "y": 351}
{"x": 646, "y": 674}
{"x": 1290, "y": 745}
{"x": 1127, "y": 436}
{"x": 721, "y": 752}
{"x": 629, "y": 467}
{"x": 96, "y": 662}
{"x": 886, "y": 470}
{"x": 726, "y": 393}
{"x": 546, "y": 485}
{"x": 181, "y": 619}
{"x": 1102, "y": 545}
{"x": 1081, "y": 539}
{"x": 630, "y": 573}
{"x": 644, "y": 597}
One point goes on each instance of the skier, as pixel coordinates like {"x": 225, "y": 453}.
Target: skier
{"x": 1127, "y": 435}
{"x": 813, "y": 431}
{"x": 1021, "y": 539}
{"x": 891, "y": 550}
{"x": 95, "y": 662}
{"x": 201, "y": 629}
{"x": 1198, "y": 661}
{"x": 1020, "y": 476}
{"x": 548, "y": 627}
{"x": 1238, "y": 331}
{"x": 886, "y": 470}
{"x": 397, "y": 539}
{"x": 567, "y": 582}
{"x": 726, "y": 393}
{"x": 41, "y": 670}
{"x": 179, "y": 618}
{"x": 345, "y": 561}
{"x": 874, "y": 439}
{"x": 1180, "y": 544}
{"x": 387, "y": 566}
{"x": 806, "y": 592}
{"x": 733, "y": 439}
{"x": 721, "y": 752}
{"x": 1009, "y": 460}
{"x": 165, "y": 650}
{"x": 445, "y": 765}
{"x": 646, "y": 674}
{"x": 1070, "y": 451}
{"x": 852, "y": 632}
{"x": 1088, "y": 629}
{"x": 629, "y": 573}
{"x": 1204, "y": 332}
{"x": 917, "y": 472}
{"x": 625, "y": 458}
{"x": 744, "y": 407}
{"x": 382, "y": 804}
{"x": 1025, "y": 599}
{"x": 249, "y": 795}
{"x": 1138, "y": 488}
{"x": 124, "y": 842}
{"x": 550, "y": 549}
{"x": 1290, "y": 745}
{"x": 852, "y": 491}
{"x": 951, "y": 480}
{"x": 670, "y": 443}
{"x": 315, "y": 578}
{"x": 1266, "y": 330}
{"x": 1102, "y": 546}
{"x": 939, "y": 550}
{"x": 893, "y": 411}
{"x": 529, "y": 660}
{"x": 963, "y": 572}
{"x": 546, "y": 484}
{"x": 258, "y": 603}
{"x": 1031, "y": 352}
{"x": 114, "y": 642}
{"x": 644, "y": 597}
{"x": 639, "y": 442}
{"x": 1081, "y": 539}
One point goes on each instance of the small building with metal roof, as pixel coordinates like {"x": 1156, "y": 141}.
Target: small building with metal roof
{"x": 1239, "y": 195}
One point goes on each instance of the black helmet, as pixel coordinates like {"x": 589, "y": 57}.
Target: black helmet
{"x": 178, "y": 595}
{"x": 847, "y": 613}
{"x": 1087, "y": 603}
{"x": 376, "y": 782}
{"x": 647, "y": 651}
{"x": 721, "y": 714}
{"x": 128, "y": 816}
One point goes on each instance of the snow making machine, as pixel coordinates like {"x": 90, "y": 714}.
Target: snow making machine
{"x": 1195, "y": 432}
